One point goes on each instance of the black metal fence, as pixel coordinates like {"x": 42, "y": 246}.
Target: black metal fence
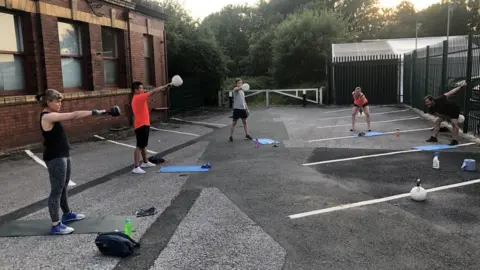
{"x": 433, "y": 70}
{"x": 378, "y": 76}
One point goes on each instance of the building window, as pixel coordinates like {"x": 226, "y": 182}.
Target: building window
{"x": 148, "y": 55}
{"x": 110, "y": 56}
{"x": 11, "y": 53}
{"x": 69, "y": 36}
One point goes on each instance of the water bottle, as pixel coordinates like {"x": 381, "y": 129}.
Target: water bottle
{"x": 398, "y": 132}
{"x": 436, "y": 162}
{"x": 256, "y": 143}
{"x": 128, "y": 227}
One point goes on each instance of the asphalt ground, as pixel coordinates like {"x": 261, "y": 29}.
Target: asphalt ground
{"x": 239, "y": 214}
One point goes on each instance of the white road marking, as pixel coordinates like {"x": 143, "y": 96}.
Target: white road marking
{"x": 348, "y": 137}
{"x": 349, "y": 109}
{"x": 357, "y": 204}
{"x": 370, "y": 156}
{"x": 174, "y": 131}
{"x": 363, "y": 123}
{"x": 196, "y": 122}
{"x": 41, "y": 162}
{"x": 349, "y": 116}
{"x": 123, "y": 144}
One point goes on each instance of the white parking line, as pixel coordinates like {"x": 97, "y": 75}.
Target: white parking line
{"x": 123, "y": 144}
{"x": 349, "y": 137}
{"x": 370, "y": 156}
{"x": 363, "y": 123}
{"x": 196, "y": 122}
{"x": 349, "y": 109}
{"x": 174, "y": 131}
{"x": 357, "y": 204}
{"x": 349, "y": 116}
{"x": 41, "y": 162}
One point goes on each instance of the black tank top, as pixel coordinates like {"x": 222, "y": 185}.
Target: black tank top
{"x": 56, "y": 141}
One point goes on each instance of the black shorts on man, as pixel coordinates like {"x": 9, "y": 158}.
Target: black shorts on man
{"x": 445, "y": 108}
{"x": 240, "y": 114}
{"x": 142, "y": 133}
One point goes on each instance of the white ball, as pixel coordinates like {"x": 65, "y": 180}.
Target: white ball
{"x": 177, "y": 80}
{"x": 461, "y": 119}
{"x": 245, "y": 87}
{"x": 418, "y": 194}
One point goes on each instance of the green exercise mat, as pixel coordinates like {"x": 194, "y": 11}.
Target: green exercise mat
{"x": 86, "y": 226}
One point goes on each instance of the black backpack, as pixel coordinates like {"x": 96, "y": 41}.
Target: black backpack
{"x": 115, "y": 244}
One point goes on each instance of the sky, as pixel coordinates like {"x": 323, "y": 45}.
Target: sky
{"x": 200, "y": 9}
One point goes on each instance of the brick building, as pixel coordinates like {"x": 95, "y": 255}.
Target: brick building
{"x": 90, "y": 50}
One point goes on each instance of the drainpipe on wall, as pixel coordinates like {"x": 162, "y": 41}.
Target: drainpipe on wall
{"x": 130, "y": 68}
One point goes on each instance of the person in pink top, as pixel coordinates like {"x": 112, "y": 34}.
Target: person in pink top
{"x": 360, "y": 102}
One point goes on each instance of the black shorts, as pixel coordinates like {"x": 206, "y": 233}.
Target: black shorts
{"x": 142, "y": 133}
{"x": 239, "y": 113}
{"x": 452, "y": 114}
{"x": 364, "y": 105}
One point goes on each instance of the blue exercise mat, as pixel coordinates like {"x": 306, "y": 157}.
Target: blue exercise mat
{"x": 175, "y": 169}
{"x": 371, "y": 134}
{"x": 266, "y": 141}
{"x": 434, "y": 147}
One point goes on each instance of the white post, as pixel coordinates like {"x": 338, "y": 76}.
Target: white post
{"x": 267, "y": 98}
{"x": 321, "y": 95}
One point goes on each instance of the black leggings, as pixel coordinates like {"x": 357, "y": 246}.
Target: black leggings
{"x": 59, "y": 171}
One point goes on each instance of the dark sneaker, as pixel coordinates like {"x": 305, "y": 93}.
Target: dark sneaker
{"x": 352, "y": 129}
{"x": 231, "y": 139}
{"x": 72, "y": 216}
{"x": 248, "y": 137}
{"x": 432, "y": 139}
{"x": 61, "y": 229}
{"x": 454, "y": 142}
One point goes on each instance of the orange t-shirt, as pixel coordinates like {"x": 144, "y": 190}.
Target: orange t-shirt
{"x": 358, "y": 101}
{"x": 141, "y": 115}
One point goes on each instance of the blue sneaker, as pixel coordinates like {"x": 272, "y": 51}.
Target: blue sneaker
{"x": 61, "y": 229}
{"x": 72, "y": 216}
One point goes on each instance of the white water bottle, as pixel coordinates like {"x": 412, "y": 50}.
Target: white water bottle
{"x": 436, "y": 162}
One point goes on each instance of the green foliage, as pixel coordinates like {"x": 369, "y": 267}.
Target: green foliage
{"x": 256, "y": 83}
{"x": 302, "y": 45}
{"x": 192, "y": 52}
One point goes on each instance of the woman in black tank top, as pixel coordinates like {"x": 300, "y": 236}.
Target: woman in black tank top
{"x": 57, "y": 156}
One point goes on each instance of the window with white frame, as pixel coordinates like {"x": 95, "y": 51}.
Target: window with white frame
{"x": 70, "y": 39}
{"x": 110, "y": 56}
{"x": 11, "y": 53}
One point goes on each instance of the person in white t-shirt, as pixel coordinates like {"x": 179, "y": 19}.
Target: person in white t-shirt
{"x": 240, "y": 109}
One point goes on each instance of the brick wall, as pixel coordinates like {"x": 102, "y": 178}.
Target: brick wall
{"x": 94, "y": 61}
{"x": 19, "y": 124}
{"x": 51, "y": 52}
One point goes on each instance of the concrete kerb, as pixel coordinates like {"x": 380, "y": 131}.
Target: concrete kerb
{"x": 432, "y": 118}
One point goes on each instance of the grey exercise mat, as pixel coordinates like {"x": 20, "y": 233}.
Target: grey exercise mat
{"x": 85, "y": 226}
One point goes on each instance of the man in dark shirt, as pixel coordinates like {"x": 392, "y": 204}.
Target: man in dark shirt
{"x": 445, "y": 110}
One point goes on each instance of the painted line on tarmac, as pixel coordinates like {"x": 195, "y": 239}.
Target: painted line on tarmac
{"x": 341, "y": 117}
{"x": 370, "y": 156}
{"x": 386, "y": 121}
{"x": 196, "y": 122}
{"x": 41, "y": 162}
{"x": 349, "y": 109}
{"x": 390, "y": 198}
{"x": 123, "y": 144}
{"x": 174, "y": 131}
{"x": 349, "y": 137}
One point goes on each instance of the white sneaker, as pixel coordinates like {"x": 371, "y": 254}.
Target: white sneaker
{"x": 147, "y": 165}
{"x": 138, "y": 170}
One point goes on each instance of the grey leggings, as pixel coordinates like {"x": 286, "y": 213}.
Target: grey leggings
{"x": 59, "y": 172}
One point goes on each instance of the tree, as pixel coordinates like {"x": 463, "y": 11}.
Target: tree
{"x": 302, "y": 44}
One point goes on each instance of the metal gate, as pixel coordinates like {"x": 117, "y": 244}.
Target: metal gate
{"x": 378, "y": 76}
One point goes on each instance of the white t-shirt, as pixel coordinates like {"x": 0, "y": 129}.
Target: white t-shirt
{"x": 239, "y": 100}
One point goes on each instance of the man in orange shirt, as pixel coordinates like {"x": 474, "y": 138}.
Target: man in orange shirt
{"x": 141, "y": 123}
